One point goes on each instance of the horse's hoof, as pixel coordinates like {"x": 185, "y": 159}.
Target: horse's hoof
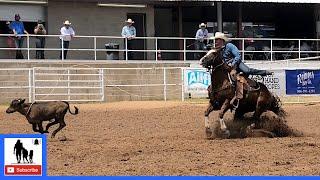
{"x": 226, "y": 133}
{"x": 208, "y": 133}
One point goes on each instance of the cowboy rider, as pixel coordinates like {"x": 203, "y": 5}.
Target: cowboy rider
{"x": 232, "y": 57}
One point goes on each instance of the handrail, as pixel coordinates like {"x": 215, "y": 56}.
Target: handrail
{"x": 269, "y": 54}
{"x": 173, "y": 38}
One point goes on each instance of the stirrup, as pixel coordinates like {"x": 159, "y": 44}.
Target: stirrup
{"x": 235, "y": 107}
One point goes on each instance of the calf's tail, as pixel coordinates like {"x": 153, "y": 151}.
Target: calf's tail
{"x": 76, "y": 109}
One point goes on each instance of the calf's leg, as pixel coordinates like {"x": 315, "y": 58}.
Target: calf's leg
{"x": 56, "y": 121}
{"x": 41, "y": 128}
{"x": 34, "y": 127}
{"x": 62, "y": 125}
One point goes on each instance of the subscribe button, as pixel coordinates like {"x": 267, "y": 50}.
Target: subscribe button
{"x": 33, "y": 170}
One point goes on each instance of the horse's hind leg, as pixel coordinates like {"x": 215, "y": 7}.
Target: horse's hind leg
{"x": 260, "y": 108}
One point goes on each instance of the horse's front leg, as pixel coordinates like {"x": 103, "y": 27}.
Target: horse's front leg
{"x": 206, "y": 115}
{"x": 206, "y": 120}
{"x": 225, "y": 107}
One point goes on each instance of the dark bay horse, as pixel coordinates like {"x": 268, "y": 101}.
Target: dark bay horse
{"x": 257, "y": 100}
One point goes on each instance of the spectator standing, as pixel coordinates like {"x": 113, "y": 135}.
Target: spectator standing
{"x": 18, "y": 30}
{"x": 129, "y": 32}
{"x": 67, "y": 33}
{"x": 40, "y": 40}
{"x": 201, "y": 36}
{"x": 10, "y": 39}
{"x": 304, "y": 47}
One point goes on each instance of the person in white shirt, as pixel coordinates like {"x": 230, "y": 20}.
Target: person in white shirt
{"x": 129, "y": 32}
{"x": 67, "y": 33}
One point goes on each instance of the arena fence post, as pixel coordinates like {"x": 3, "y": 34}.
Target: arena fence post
{"x": 30, "y": 85}
{"x": 271, "y": 49}
{"x": 242, "y": 49}
{"x": 62, "y": 49}
{"x": 33, "y": 84}
{"x": 68, "y": 93}
{"x": 164, "y": 84}
{"x": 184, "y": 50}
{"x": 126, "y": 46}
{"x": 156, "y": 45}
{"x": 299, "y": 44}
{"x": 28, "y": 46}
{"x": 95, "y": 47}
{"x": 102, "y": 84}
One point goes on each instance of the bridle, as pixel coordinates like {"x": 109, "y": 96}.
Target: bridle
{"x": 211, "y": 70}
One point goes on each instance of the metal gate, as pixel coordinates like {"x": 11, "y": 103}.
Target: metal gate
{"x": 68, "y": 84}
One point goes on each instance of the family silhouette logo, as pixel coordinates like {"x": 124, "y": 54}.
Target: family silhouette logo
{"x": 23, "y": 156}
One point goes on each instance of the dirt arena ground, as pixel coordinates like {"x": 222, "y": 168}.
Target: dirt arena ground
{"x": 167, "y": 138}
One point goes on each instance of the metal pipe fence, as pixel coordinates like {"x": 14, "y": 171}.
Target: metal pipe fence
{"x": 161, "y": 48}
{"x": 108, "y": 84}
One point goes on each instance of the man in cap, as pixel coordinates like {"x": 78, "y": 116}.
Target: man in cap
{"x": 201, "y": 36}
{"x": 231, "y": 56}
{"x": 129, "y": 32}
{"x": 18, "y": 30}
{"x": 67, "y": 33}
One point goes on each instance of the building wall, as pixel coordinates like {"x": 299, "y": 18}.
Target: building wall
{"x": 89, "y": 19}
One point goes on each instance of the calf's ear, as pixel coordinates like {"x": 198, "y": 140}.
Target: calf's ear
{"x": 21, "y": 101}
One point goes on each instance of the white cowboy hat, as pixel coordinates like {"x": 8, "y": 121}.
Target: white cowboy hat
{"x": 202, "y": 25}
{"x": 220, "y": 35}
{"x": 129, "y": 21}
{"x": 67, "y": 22}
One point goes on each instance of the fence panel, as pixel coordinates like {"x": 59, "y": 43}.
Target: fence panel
{"x": 142, "y": 84}
{"x": 69, "y": 84}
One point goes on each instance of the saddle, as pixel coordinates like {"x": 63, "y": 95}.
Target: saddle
{"x": 243, "y": 83}
{"x": 248, "y": 84}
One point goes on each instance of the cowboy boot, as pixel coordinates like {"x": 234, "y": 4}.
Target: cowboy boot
{"x": 268, "y": 73}
{"x": 233, "y": 75}
{"x": 238, "y": 95}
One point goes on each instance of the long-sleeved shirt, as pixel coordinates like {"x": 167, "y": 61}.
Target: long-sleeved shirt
{"x": 128, "y": 31}
{"x": 201, "y": 34}
{"x": 17, "y": 26}
{"x": 66, "y": 33}
{"x": 231, "y": 54}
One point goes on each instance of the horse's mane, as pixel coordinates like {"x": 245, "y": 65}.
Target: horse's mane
{"x": 221, "y": 61}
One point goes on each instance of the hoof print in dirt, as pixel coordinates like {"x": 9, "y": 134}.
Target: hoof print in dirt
{"x": 63, "y": 138}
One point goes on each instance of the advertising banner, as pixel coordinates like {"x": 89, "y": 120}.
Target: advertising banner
{"x": 196, "y": 82}
{"x": 276, "y": 83}
{"x": 303, "y": 81}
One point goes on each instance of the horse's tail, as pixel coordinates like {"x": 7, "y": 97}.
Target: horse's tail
{"x": 276, "y": 107}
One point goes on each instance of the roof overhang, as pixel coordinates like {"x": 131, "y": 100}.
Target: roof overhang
{"x": 190, "y": 1}
{"x": 273, "y": 1}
